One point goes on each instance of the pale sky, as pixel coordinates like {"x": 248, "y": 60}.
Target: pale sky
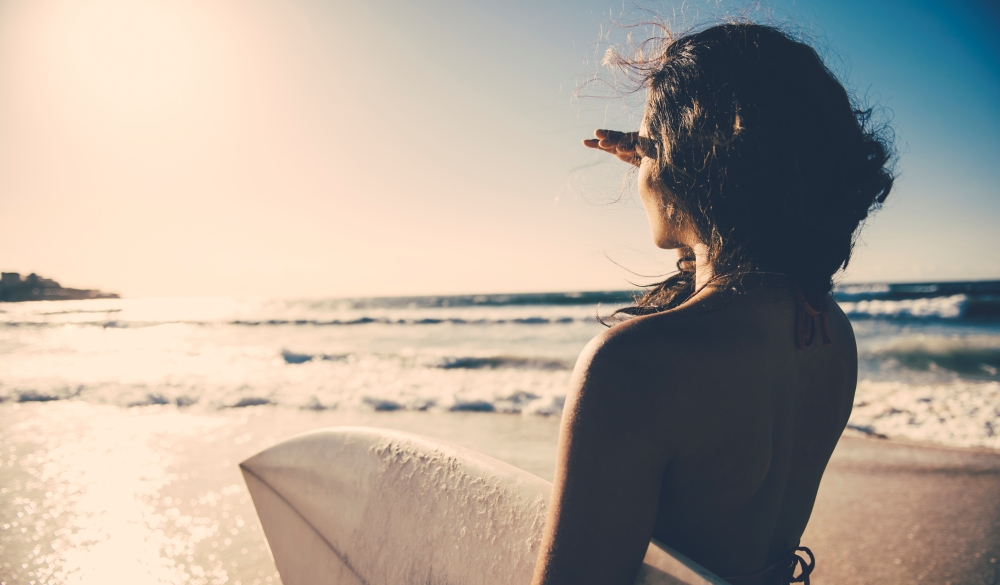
{"x": 325, "y": 148}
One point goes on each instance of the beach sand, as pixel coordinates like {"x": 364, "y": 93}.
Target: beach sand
{"x": 896, "y": 512}
{"x": 103, "y": 494}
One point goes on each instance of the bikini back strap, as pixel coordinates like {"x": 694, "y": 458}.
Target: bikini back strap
{"x": 805, "y": 320}
{"x": 783, "y": 571}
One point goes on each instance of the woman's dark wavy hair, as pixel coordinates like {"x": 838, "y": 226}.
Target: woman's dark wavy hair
{"x": 759, "y": 145}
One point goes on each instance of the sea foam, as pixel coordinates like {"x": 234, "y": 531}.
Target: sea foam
{"x": 928, "y": 371}
{"x": 964, "y": 414}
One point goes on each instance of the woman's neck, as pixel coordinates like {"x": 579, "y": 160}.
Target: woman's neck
{"x": 703, "y": 270}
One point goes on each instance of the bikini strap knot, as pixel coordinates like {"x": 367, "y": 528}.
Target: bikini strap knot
{"x": 783, "y": 571}
{"x": 804, "y": 566}
{"x": 805, "y": 320}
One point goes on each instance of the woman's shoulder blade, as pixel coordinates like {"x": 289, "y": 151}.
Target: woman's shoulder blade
{"x": 670, "y": 333}
{"x": 646, "y": 359}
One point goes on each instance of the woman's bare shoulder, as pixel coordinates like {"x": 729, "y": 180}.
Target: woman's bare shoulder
{"x": 621, "y": 347}
{"x": 667, "y": 336}
{"x": 638, "y": 377}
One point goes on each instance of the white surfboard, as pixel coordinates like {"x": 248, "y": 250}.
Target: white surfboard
{"x": 365, "y": 506}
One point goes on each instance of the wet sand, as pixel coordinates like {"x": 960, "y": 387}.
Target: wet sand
{"x": 101, "y": 494}
{"x": 895, "y": 512}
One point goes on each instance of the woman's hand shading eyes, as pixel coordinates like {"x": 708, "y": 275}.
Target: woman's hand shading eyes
{"x": 624, "y": 145}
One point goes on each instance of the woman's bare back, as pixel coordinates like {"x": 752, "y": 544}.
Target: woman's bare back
{"x": 764, "y": 418}
{"x": 704, "y": 427}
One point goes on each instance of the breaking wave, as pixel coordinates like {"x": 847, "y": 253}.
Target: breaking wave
{"x": 124, "y": 324}
{"x": 964, "y": 414}
{"x": 951, "y": 307}
{"x": 929, "y": 355}
{"x": 973, "y": 356}
{"x": 444, "y": 363}
{"x": 932, "y": 300}
{"x": 475, "y": 363}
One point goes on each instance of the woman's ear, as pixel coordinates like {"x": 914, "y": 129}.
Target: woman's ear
{"x": 685, "y": 259}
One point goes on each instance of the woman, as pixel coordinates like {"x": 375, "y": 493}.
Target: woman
{"x": 707, "y": 418}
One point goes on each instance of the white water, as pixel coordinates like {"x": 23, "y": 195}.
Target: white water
{"x": 932, "y": 378}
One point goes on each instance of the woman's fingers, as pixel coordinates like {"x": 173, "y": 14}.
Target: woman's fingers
{"x": 620, "y": 144}
{"x": 604, "y": 133}
{"x": 611, "y": 139}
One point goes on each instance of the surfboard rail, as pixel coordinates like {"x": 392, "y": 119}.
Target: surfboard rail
{"x": 367, "y": 506}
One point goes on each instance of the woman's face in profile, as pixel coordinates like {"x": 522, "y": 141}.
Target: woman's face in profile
{"x": 666, "y": 223}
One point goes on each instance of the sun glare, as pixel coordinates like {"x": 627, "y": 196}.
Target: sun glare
{"x": 134, "y": 58}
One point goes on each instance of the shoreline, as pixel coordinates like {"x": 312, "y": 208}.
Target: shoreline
{"x": 155, "y": 493}
{"x": 852, "y": 435}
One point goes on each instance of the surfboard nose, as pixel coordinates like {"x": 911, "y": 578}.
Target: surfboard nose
{"x": 325, "y": 476}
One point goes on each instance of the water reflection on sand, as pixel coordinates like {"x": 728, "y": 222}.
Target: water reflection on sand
{"x": 97, "y": 494}
{"x": 105, "y": 494}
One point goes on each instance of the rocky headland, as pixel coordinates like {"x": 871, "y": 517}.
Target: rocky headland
{"x": 14, "y": 289}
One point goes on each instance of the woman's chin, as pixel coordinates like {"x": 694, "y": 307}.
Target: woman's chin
{"x": 667, "y": 243}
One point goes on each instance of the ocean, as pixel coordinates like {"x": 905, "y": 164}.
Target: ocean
{"x": 122, "y": 420}
{"x": 929, "y": 354}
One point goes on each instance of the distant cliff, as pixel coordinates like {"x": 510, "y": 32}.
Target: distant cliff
{"x": 13, "y": 288}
